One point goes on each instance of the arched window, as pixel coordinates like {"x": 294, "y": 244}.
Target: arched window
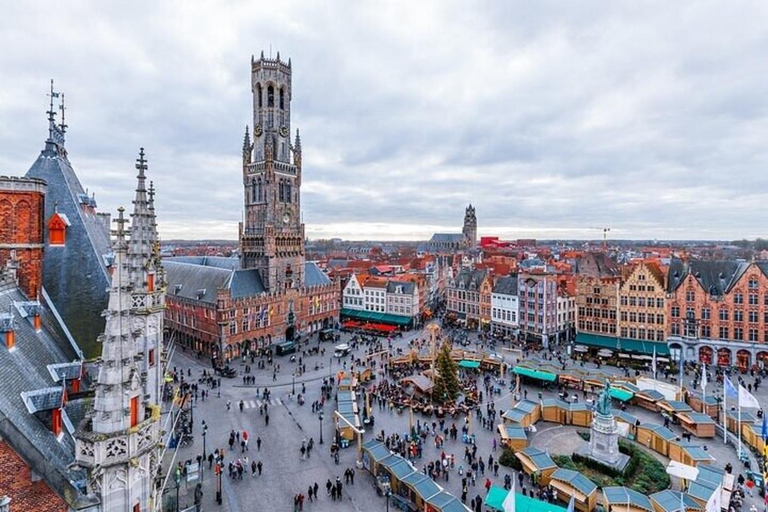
{"x": 288, "y": 192}
{"x": 259, "y": 190}
{"x": 258, "y": 93}
{"x": 280, "y": 191}
{"x": 270, "y": 96}
{"x": 282, "y": 98}
{"x": 254, "y": 191}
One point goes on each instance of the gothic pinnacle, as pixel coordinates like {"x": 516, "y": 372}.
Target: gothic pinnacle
{"x": 246, "y": 139}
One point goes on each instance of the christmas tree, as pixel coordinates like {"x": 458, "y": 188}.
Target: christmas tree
{"x": 447, "y": 385}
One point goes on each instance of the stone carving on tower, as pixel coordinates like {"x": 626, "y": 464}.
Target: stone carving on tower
{"x": 148, "y": 280}
{"x": 118, "y": 440}
{"x": 470, "y": 226}
{"x": 272, "y": 234}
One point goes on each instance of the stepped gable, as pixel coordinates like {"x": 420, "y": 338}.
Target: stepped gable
{"x": 76, "y": 274}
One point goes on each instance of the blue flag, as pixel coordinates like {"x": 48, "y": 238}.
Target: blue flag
{"x": 730, "y": 389}
{"x": 764, "y": 433}
{"x": 571, "y": 505}
{"x": 682, "y": 367}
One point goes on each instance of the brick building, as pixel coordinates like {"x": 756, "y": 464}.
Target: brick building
{"x": 538, "y": 293}
{"x": 22, "y": 206}
{"x": 642, "y": 303}
{"x": 223, "y": 306}
{"x": 469, "y": 298}
{"x": 597, "y": 294}
{"x": 717, "y": 311}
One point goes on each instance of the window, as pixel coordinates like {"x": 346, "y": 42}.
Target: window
{"x": 738, "y": 298}
{"x": 689, "y": 313}
{"x": 633, "y": 333}
{"x": 705, "y": 313}
{"x": 56, "y": 422}
{"x": 282, "y": 98}
{"x": 623, "y": 332}
{"x": 738, "y": 315}
{"x": 258, "y": 94}
{"x": 134, "y": 411}
{"x": 623, "y": 300}
{"x": 753, "y": 335}
{"x": 651, "y": 288}
{"x": 723, "y": 333}
{"x": 641, "y": 318}
{"x": 690, "y": 296}
{"x": 633, "y": 301}
{"x": 706, "y": 332}
{"x": 675, "y": 312}
{"x": 151, "y": 357}
{"x": 633, "y": 317}
{"x": 270, "y": 96}
{"x": 623, "y": 316}
{"x": 738, "y": 333}
{"x": 723, "y": 315}
{"x": 641, "y": 302}
{"x": 753, "y": 284}
{"x": 651, "y": 318}
{"x": 660, "y": 335}
{"x": 232, "y": 327}
{"x": 753, "y": 318}
{"x": 659, "y": 303}
{"x": 753, "y": 299}
{"x": 675, "y": 329}
{"x": 641, "y": 333}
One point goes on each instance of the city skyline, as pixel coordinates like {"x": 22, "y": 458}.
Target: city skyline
{"x": 550, "y": 119}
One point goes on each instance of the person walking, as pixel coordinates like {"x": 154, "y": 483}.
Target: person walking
{"x": 253, "y": 468}
{"x": 266, "y": 420}
{"x": 229, "y": 404}
{"x": 241, "y": 405}
{"x": 258, "y": 444}
{"x": 258, "y": 467}
{"x": 309, "y": 493}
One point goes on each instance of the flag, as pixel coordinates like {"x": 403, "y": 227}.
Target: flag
{"x": 730, "y": 390}
{"x": 571, "y": 505}
{"x": 317, "y": 302}
{"x": 508, "y": 505}
{"x": 703, "y": 377}
{"x": 764, "y": 433}
{"x": 747, "y": 399}
{"x": 682, "y": 367}
{"x": 653, "y": 363}
{"x": 714, "y": 503}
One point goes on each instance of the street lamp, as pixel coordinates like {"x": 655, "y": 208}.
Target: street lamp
{"x": 218, "y": 487}
{"x": 205, "y": 431}
{"x": 321, "y": 428}
{"x": 293, "y": 383}
{"x": 387, "y": 494}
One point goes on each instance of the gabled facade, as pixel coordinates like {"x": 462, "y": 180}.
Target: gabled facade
{"x": 353, "y": 296}
{"x": 642, "y": 304}
{"x": 537, "y": 298}
{"x": 717, "y": 311}
{"x": 469, "y": 298}
{"x": 504, "y": 306}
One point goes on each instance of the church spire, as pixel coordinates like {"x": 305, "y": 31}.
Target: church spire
{"x": 118, "y": 381}
{"x": 142, "y": 220}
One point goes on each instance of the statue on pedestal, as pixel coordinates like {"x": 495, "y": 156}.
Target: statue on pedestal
{"x": 603, "y": 405}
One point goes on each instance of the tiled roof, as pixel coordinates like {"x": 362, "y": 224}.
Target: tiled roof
{"x": 447, "y": 238}
{"x": 407, "y": 287}
{"x": 75, "y": 275}
{"x": 26, "y": 380}
{"x": 715, "y": 277}
{"x": 313, "y": 276}
{"x": 506, "y": 286}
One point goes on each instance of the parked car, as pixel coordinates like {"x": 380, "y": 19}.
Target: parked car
{"x": 225, "y": 371}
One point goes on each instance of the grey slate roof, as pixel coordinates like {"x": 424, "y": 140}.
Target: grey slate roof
{"x": 506, "y": 286}
{"x": 25, "y": 370}
{"x": 199, "y": 278}
{"x": 715, "y": 277}
{"x": 442, "y": 238}
{"x": 408, "y": 287}
{"x": 75, "y": 275}
{"x": 43, "y": 399}
{"x": 470, "y": 279}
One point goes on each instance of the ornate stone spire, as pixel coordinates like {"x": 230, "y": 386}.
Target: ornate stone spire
{"x": 142, "y": 220}
{"x": 118, "y": 382}
{"x": 247, "y": 147}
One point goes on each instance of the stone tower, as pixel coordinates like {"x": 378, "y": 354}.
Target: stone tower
{"x": 272, "y": 234}
{"x": 148, "y": 279}
{"x": 118, "y": 441}
{"x": 470, "y": 226}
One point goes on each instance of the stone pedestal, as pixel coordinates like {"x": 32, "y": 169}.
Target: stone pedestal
{"x": 604, "y": 439}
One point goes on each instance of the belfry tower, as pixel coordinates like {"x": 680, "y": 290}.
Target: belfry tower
{"x": 272, "y": 234}
{"x": 470, "y": 226}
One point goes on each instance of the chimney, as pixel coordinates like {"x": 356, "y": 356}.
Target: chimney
{"x": 7, "y": 335}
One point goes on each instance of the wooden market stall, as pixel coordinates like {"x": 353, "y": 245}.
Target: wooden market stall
{"x": 392, "y": 470}
{"x": 494, "y": 501}
{"x": 629, "y": 419}
{"x": 751, "y": 433}
{"x": 417, "y": 488}
{"x": 649, "y": 399}
{"x": 555, "y": 411}
{"x": 708, "y": 405}
{"x": 624, "y": 499}
{"x": 706, "y": 483}
{"x": 513, "y": 436}
{"x": 571, "y": 378}
{"x": 524, "y": 413}
{"x": 669, "y": 501}
{"x": 697, "y": 423}
{"x": 732, "y": 419}
{"x": 580, "y": 414}
{"x": 374, "y": 451}
{"x": 673, "y": 408}
{"x": 569, "y": 483}
{"x": 538, "y": 462}
{"x": 445, "y": 502}
{"x": 655, "y": 437}
{"x": 689, "y": 453}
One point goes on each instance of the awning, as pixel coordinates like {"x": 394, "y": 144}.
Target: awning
{"x": 535, "y": 374}
{"x": 623, "y": 344}
{"x": 620, "y": 394}
{"x": 372, "y": 316}
{"x": 464, "y": 363}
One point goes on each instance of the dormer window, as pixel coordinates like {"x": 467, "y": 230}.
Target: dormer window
{"x": 57, "y": 229}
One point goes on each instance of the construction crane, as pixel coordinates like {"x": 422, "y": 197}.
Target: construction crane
{"x": 605, "y": 236}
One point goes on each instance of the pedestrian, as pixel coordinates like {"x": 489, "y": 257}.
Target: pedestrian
{"x": 258, "y": 444}
{"x": 328, "y": 486}
{"x": 314, "y": 488}
{"x": 253, "y": 468}
{"x": 309, "y": 493}
{"x": 242, "y": 446}
{"x": 228, "y": 404}
{"x": 266, "y": 420}
{"x": 241, "y": 405}
{"x": 258, "y": 467}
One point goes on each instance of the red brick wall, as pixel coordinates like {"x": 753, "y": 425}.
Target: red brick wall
{"x": 16, "y": 482}
{"x": 21, "y": 224}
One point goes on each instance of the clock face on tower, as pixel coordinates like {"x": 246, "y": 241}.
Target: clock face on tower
{"x": 286, "y": 218}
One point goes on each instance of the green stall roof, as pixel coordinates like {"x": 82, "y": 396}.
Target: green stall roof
{"x": 626, "y": 496}
{"x": 372, "y": 316}
{"x": 620, "y": 394}
{"x": 623, "y": 344}
{"x": 535, "y": 374}
{"x": 464, "y": 363}
{"x": 496, "y": 496}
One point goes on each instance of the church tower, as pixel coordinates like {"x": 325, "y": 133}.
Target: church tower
{"x": 470, "y": 226}
{"x": 117, "y": 443}
{"x": 272, "y": 234}
{"x": 148, "y": 278}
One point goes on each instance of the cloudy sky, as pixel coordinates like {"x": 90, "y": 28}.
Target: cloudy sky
{"x": 552, "y": 118}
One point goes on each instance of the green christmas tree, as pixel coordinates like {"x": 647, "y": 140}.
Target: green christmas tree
{"x": 447, "y": 385}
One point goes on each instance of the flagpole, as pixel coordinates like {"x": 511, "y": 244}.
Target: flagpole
{"x": 725, "y": 412}
{"x": 739, "y": 452}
